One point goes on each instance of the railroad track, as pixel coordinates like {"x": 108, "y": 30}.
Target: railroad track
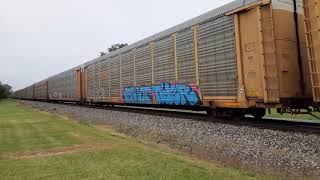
{"x": 304, "y": 125}
{"x": 282, "y": 124}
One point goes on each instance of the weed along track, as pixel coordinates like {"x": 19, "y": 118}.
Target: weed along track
{"x": 265, "y": 149}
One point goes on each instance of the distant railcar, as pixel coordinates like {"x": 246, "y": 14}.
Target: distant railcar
{"x": 243, "y": 57}
{"x": 20, "y": 94}
{"x": 64, "y": 86}
{"x": 40, "y": 90}
{"x": 29, "y": 91}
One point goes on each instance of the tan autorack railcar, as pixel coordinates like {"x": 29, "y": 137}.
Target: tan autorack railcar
{"x": 312, "y": 27}
{"x": 29, "y": 92}
{"x": 40, "y": 90}
{"x": 243, "y": 57}
{"x": 65, "y": 86}
{"x": 20, "y": 94}
{"x": 246, "y": 54}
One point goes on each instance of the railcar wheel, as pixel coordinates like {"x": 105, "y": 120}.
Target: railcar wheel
{"x": 258, "y": 113}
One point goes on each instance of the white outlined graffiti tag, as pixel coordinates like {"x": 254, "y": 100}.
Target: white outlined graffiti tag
{"x": 164, "y": 93}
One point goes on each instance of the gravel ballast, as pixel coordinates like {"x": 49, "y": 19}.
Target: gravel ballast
{"x": 287, "y": 153}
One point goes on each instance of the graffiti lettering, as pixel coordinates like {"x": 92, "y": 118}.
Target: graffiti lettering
{"x": 164, "y": 93}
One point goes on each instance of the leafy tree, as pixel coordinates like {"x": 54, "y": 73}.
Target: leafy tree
{"x": 5, "y": 90}
{"x": 102, "y": 53}
{"x": 115, "y": 47}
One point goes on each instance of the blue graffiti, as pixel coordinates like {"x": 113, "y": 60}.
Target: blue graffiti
{"x": 164, "y": 93}
{"x": 137, "y": 95}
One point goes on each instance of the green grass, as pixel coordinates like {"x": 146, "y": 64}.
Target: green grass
{"x": 24, "y": 131}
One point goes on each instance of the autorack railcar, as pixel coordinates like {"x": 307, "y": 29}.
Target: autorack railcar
{"x": 40, "y": 90}
{"x": 64, "y": 86}
{"x": 243, "y": 57}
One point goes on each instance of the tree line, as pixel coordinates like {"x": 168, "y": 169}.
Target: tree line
{"x": 5, "y": 90}
{"x": 114, "y": 47}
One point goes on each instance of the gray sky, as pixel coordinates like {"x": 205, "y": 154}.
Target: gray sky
{"x": 40, "y": 38}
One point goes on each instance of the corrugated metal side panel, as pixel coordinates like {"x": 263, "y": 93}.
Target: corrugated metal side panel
{"x": 19, "y": 94}
{"x": 40, "y": 90}
{"x": 143, "y": 65}
{"x": 185, "y": 56}
{"x": 94, "y": 92}
{"x": 22, "y": 93}
{"x": 164, "y": 67}
{"x": 53, "y": 87}
{"x": 217, "y": 57}
{"x": 104, "y": 80}
{"x": 246, "y": 2}
{"x": 29, "y": 92}
{"x": 71, "y": 84}
{"x": 127, "y": 69}
{"x": 64, "y": 86}
{"x": 37, "y": 90}
{"x": 90, "y": 82}
{"x": 96, "y": 81}
{"x": 114, "y": 74}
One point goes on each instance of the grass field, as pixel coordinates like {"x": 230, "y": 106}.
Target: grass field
{"x": 36, "y": 144}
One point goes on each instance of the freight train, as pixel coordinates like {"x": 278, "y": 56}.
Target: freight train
{"x": 241, "y": 58}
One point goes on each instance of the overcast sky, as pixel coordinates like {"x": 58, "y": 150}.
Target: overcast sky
{"x": 40, "y": 38}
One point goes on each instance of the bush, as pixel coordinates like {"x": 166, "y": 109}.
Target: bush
{"x": 5, "y": 90}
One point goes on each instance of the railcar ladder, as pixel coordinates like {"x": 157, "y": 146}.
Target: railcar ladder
{"x": 311, "y": 29}
{"x": 268, "y": 53}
